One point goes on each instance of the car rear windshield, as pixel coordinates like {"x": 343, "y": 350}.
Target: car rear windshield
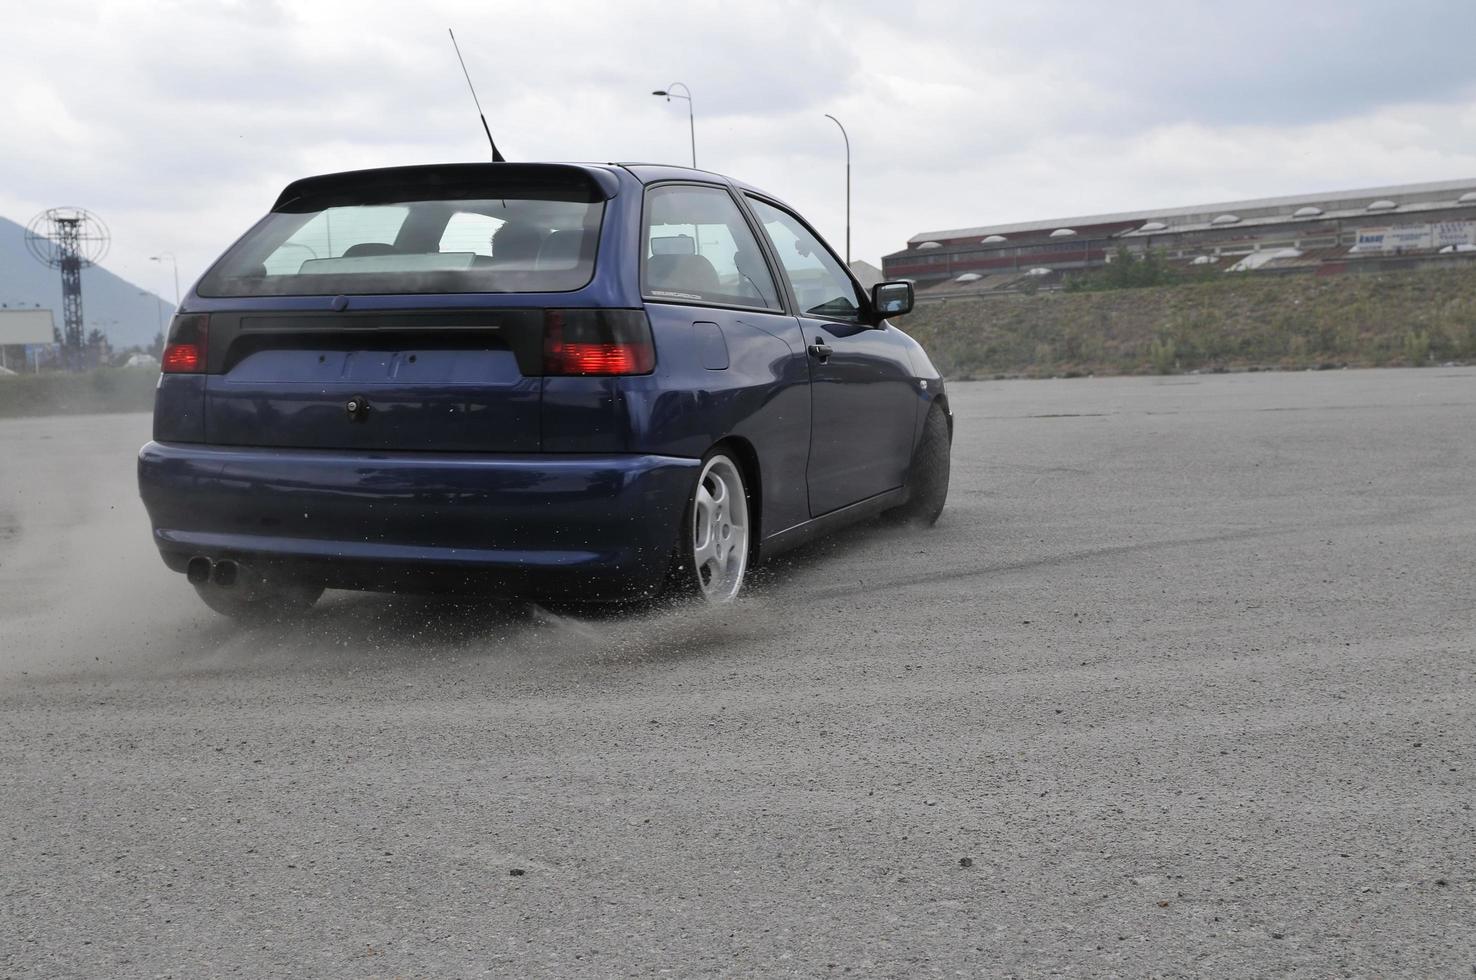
{"x": 521, "y": 243}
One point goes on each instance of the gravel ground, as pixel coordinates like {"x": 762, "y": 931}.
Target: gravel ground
{"x": 1180, "y": 685}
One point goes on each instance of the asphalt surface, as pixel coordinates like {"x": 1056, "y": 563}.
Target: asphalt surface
{"x": 1180, "y": 685}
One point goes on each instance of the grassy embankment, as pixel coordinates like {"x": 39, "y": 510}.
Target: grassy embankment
{"x": 102, "y": 390}
{"x": 1229, "y": 323}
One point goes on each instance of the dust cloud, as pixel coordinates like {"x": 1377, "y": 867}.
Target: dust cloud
{"x": 82, "y": 589}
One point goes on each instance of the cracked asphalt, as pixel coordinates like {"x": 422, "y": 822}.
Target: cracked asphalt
{"x": 1180, "y": 685}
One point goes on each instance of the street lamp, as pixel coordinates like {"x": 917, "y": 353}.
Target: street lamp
{"x": 668, "y": 94}
{"x": 175, "y": 262}
{"x": 847, "y": 138}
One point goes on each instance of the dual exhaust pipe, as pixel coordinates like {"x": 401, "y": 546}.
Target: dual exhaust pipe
{"x": 224, "y": 573}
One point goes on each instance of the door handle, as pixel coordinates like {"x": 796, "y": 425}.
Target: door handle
{"x": 820, "y": 351}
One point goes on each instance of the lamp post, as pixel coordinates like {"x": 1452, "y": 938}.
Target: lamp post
{"x": 668, "y": 94}
{"x": 175, "y": 262}
{"x": 847, "y": 138}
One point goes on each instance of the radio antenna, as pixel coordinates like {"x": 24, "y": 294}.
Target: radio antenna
{"x": 496, "y": 156}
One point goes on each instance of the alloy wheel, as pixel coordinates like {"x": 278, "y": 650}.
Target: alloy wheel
{"x": 720, "y": 530}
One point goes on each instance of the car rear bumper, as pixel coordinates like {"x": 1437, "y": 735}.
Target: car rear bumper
{"x": 579, "y": 526}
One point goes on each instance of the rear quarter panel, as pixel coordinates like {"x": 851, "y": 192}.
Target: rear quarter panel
{"x": 689, "y": 403}
{"x": 760, "y": 397}
{"x": 179, "y": 408}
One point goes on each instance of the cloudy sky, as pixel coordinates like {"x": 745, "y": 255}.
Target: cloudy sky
{"x": 179, "y": 122}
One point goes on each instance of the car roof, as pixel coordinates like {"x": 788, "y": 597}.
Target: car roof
{"x": 648, "y": 173}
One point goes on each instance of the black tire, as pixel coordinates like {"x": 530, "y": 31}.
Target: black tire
{"x": 715, "y": 580}
{"x": 928, "y": 478}
{"x": 260, "y": 604}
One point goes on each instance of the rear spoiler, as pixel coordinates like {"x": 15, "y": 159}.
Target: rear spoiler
{"x": 449, "y": 182}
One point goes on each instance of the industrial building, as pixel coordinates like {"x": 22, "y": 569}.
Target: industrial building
{"x": 1344, "y": 231}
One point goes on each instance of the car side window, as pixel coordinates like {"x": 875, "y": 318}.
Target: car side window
{"x": 820, "y": 283}
{"x": 698, "y": 247}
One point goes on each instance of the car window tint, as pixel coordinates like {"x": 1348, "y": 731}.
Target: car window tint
{"x": 699, "y": 248}
{"x": 820, "y": 283}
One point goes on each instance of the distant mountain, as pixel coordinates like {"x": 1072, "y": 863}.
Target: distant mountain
{"x": 866, "y": 273}
{"x": 105, "y": 297}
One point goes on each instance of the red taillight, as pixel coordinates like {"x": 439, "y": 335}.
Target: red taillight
{"x": 184, "y": 352}
{"x": 597, "y": 359}
{"x": 598, "y": 342}
{"x": 183, "y": 359}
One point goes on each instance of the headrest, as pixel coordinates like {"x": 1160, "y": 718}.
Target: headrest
{"x": 369, "y": 248}
{"x": 560, "y": 250}
{"x": 517, "y": 243}
{"x": 682, "y": 273}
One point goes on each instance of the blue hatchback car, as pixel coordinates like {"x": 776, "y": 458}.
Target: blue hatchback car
{"x": 540, "y": 380}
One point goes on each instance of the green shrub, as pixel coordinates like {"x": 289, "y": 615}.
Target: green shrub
{"x": 1417, "y": 347}
{"x": 1163, "y": 354}
{"x": 1213, "y": 321}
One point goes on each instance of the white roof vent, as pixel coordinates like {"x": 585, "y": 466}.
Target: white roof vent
{"x": 931, "y": 245}
{"x": 1256, "y": 260}
{"x": 1227, "y": 219}
{"x": 1309, "y": 211}
{"x": 1154, "y": 226}
{"x": 993, "y": 239}
{"x": 968, "y": 277}
{"x": 1467, "y": 198}
{"x": 1063, "y": 232}
{"x": 1384, "y": 205}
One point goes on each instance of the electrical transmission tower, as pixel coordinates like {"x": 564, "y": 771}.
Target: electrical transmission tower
{"x": 69, "y": 239}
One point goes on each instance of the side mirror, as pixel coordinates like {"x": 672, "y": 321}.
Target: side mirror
{"x": 891, "y": 298}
